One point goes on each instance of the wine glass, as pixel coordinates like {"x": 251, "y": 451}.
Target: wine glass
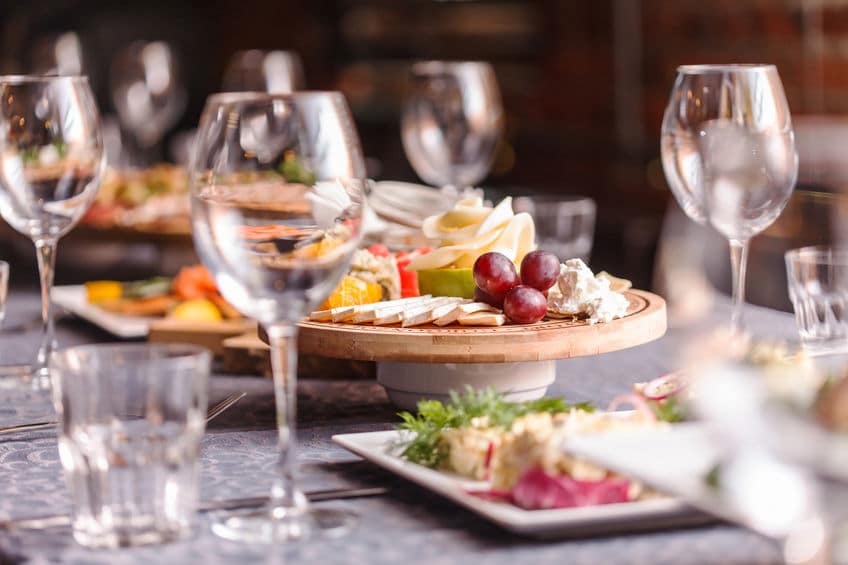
{"x": 148, "y": 95}
{"x": 278, "y": 72}
{"x": 452, "y": 121}
{"x": 278, "y": 185}
{"x": 728, "y": 151}
{"x": 51, "y": 162}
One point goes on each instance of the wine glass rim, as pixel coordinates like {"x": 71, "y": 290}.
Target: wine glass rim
{"x": 23, "y": 79}
{"x": 258, "y": 96}
{"x": 724, "y": 68}
{"x": 172, "y": 351}
{"x": 440, "y": 64}
{"x": 818, "y": 254}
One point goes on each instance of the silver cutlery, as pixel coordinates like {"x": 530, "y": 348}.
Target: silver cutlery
{"x": 213, "y": 412}
{"x": 62, "y": 520}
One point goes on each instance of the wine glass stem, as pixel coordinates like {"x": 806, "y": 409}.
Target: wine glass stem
{"x": 46, "y": 253}
{"x": 738, "y": 263}
{"x": 285, "y": 499}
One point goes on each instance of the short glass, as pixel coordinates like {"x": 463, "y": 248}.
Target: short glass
{"x": 817, "y": 278}
{"x": 565, "y": 225}
{"x": 131, "y": 418}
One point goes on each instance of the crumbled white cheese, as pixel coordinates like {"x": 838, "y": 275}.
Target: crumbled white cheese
{"x": 579, "y": 292}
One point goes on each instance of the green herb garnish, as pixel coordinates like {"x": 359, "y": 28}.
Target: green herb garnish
{"x": 425, "y": 446}
{"x": 295, "y": 171}
{"x": 669, "y": 410}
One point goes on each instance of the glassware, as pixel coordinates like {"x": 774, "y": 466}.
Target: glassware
{"x": 564, "y": 225}
{"x": 131, "y": 418}
{"x": 277, "y": 72}
{"x": 818, "y": 288}
{"x": 51, "y": 162}
{"x": 728, "y": 152}
{"x": 57, "y": 54}
{"x": 4, "y": 289}
{"x": 149, "y": 97}
{"x": 278, "y": 185}
{"x": 452, "y": 121}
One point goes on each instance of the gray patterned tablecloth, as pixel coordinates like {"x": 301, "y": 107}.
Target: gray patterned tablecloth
{"x": 409, "y": 525}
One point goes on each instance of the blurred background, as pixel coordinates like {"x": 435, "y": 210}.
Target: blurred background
{"x": 583, "y": 84}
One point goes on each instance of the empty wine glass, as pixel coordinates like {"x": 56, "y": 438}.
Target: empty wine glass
{"x": 57, "y": 54}
{"x": 728, "y": 151}
{"x": 277, "y": 187}
{"x": 277, "y": 72}
{"x": 51, "y": 162}
{"x": 452, "y": 121}
{"x": 148, "y": 95}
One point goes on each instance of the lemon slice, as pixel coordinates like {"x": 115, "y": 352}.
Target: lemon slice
{"x": 446, "y": 282}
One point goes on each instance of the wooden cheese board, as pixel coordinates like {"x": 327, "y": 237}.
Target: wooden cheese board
{"x": 547, "y": 340}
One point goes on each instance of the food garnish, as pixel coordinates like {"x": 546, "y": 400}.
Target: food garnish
{"x": 426, "y": 447}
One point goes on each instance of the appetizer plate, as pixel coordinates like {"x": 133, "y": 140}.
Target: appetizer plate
{"x": 73, "y": 299}
{"x": 378, "y": 447}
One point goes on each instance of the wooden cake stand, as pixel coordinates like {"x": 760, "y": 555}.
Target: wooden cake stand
{"x": 520, "y": 360}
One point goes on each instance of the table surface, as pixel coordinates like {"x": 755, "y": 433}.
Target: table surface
{"x": 408, "y": 525}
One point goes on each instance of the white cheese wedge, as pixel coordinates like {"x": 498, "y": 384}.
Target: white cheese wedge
{"x": 381, "y": 309}
{"x": 458, "y": 310}
{"x": 415, "y": 310}
{"x": 482, "y": 319}
{"x": 430, "y": 315}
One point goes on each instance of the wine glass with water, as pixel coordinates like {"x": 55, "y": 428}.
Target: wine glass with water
{"x": 452, "y": 121}
{"x": 278, "y": 186}
{"x": 51, "y": 162}
{"x": 728, "y": 151}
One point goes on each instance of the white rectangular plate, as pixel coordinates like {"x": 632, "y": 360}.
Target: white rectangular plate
{"x": 566, "y": 522}
{"x": 73, "y": 299}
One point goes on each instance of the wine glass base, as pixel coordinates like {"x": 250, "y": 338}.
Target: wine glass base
{"x": 259, "y": 527}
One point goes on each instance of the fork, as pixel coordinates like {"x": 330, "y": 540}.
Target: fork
{"x": 213, "y": 412}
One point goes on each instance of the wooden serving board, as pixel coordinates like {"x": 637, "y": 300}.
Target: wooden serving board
{"x": 543, "y": 341}
{"x": 207, "y": 334}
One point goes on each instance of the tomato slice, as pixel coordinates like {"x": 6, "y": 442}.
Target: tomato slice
{"x": 379, "y": 250}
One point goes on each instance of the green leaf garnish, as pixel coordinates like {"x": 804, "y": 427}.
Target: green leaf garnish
{"x": 424, "y": 445}
{"x": 669, "y": 410}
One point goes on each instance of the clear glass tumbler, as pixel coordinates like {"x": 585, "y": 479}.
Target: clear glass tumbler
{"x": 131, "y": 418}
{"x": 565, "y": 225}
{"x": 817, "y": 278}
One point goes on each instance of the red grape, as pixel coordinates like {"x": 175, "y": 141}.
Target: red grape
{"x": 481, "y": 295}
{"x": 495, "y": 274}
{"x": 540, "y": 269}
{"x": 525, "y": 305}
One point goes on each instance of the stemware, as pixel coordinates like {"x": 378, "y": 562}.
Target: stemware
{"x": 57, "y": 54}
{"x": 452, "y": 121}
{"x": 278, "y": 72}
{"x": 278, "y": 186}
{"x": 51, "y": 162}
{"x": 728, "y": 151}
{"x": 148, "y": 95}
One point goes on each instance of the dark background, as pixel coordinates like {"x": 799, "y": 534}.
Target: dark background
{"x": 584, "y": 83}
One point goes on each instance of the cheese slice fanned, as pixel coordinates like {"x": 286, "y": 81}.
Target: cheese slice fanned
{"x": 430, "y": 315}
{"x": 371, "y": 312}
{"x": 463, "y": 309}
{"x": 482, "y": 319}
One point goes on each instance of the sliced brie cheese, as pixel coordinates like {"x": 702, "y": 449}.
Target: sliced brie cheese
{"x": 371, "y": 312}
{"x": 461, "y": 309}
{"x": 429, "y": 315}
{"x": 482, "y": 319}
{"x": 414, "y": 310}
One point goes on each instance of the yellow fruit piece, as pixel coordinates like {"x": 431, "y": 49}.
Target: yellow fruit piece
{"x": 353, "y": 292}
{"x": 446, "y": 282}
{"x": 100, "y": 291}
{"x": 198, "y": 310}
